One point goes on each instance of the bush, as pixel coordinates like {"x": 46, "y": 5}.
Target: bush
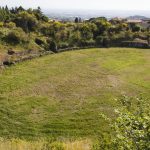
{"x": 131, "y": 127}
{"x": 53, "y": 46}
{"x": 99, "y": 40}
{"x": 84, "y": 43}
{"x": 135, "y": 27}
{"x": 106, "y": 41}
{"x": 1, "y": 24}
{"x": 26, "y": 21}
{"x": 10, "y": 25}
{"x": 17, "y": 36}
{"x": 103, "y": 41}
{"x": 75, "y": 38}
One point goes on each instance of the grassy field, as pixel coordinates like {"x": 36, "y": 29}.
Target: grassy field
{"x": 62, "y": 95}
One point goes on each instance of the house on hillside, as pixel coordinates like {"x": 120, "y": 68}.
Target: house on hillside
{"x": 147, "y": 23}
{"x": 138, "y": 43}
{"x": 138, "y": 21}
{"x": 146, "y": 20}
{"x": 144, "y": 23}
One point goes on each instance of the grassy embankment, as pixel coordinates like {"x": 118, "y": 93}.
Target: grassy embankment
{"x": 61, "y": 95}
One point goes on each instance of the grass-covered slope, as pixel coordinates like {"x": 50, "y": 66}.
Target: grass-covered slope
{"x": 63, "y": 94}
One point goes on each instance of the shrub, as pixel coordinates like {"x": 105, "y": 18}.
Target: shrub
{"x": 16, "y": 36}
{"x": 53, "y": 46}
{"x": 84, "y": 43}
{"x": 106, "y": 41}
{"x": 45, "y": 18}
{"x": 1, "y": 24}
{"x": 103, "y": 41}
{"x": 10, "y": 25}
{"x": 75, "y": 38}
{"x": 131, "y": 127}
{"x": 99, "y": 40}
{"x": 135, "y": 27}
{"x": 26, "y": 21}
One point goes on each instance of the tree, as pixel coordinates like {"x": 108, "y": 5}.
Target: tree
{"x": 20, "y": 8}
{"x": 102, "y": 25}
{"x": 86, "y": 32}
{"x": 6, "y": 9}
{"x": 76, "y": 20}
{"x": 135, "y": 27}
{"x": 39, "y": 14}
{"x": 26, "y": 21}
{"x": 75, "y": 38}
{"x": 5, "y": 14}
{"x": 80, "y": 20}
{"x": 53, "y": 46}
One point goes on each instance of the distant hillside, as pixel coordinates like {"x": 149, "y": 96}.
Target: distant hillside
{"x": 137, "y": 17}
{"x": 87, "y": 14}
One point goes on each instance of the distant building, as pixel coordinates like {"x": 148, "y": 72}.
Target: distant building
{"x": 144, "y": 23}
{"x": 146, "y": 20}
{"x": 134, "y": 21}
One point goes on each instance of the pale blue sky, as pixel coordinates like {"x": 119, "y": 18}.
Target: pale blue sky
{"x": 82, "y": 4}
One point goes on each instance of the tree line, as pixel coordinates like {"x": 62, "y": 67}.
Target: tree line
{"x": 24, "y": 25}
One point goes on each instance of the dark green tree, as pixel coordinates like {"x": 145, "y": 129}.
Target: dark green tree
{"x": 53, "y": 46}
{"x": 76, "y": 20}
{"x": 26, "y": 21}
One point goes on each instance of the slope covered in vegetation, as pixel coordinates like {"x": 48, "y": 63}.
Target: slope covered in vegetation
{"x": 31, "y": 31}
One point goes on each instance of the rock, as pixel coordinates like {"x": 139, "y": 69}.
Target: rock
{"x": 10, "y": 52}
{"x": 8, "y": 63}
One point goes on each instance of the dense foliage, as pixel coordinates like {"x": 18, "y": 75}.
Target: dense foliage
{"x": 131, "y": 128}
{"x": 55, "y": 35}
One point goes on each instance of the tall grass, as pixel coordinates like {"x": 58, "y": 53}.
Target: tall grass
{"x": 17, "y": 144}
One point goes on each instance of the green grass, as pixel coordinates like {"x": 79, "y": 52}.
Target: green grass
{"x": 63, "y": 94}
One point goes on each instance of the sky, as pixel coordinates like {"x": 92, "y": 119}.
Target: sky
{"x": 81, "y": 4}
